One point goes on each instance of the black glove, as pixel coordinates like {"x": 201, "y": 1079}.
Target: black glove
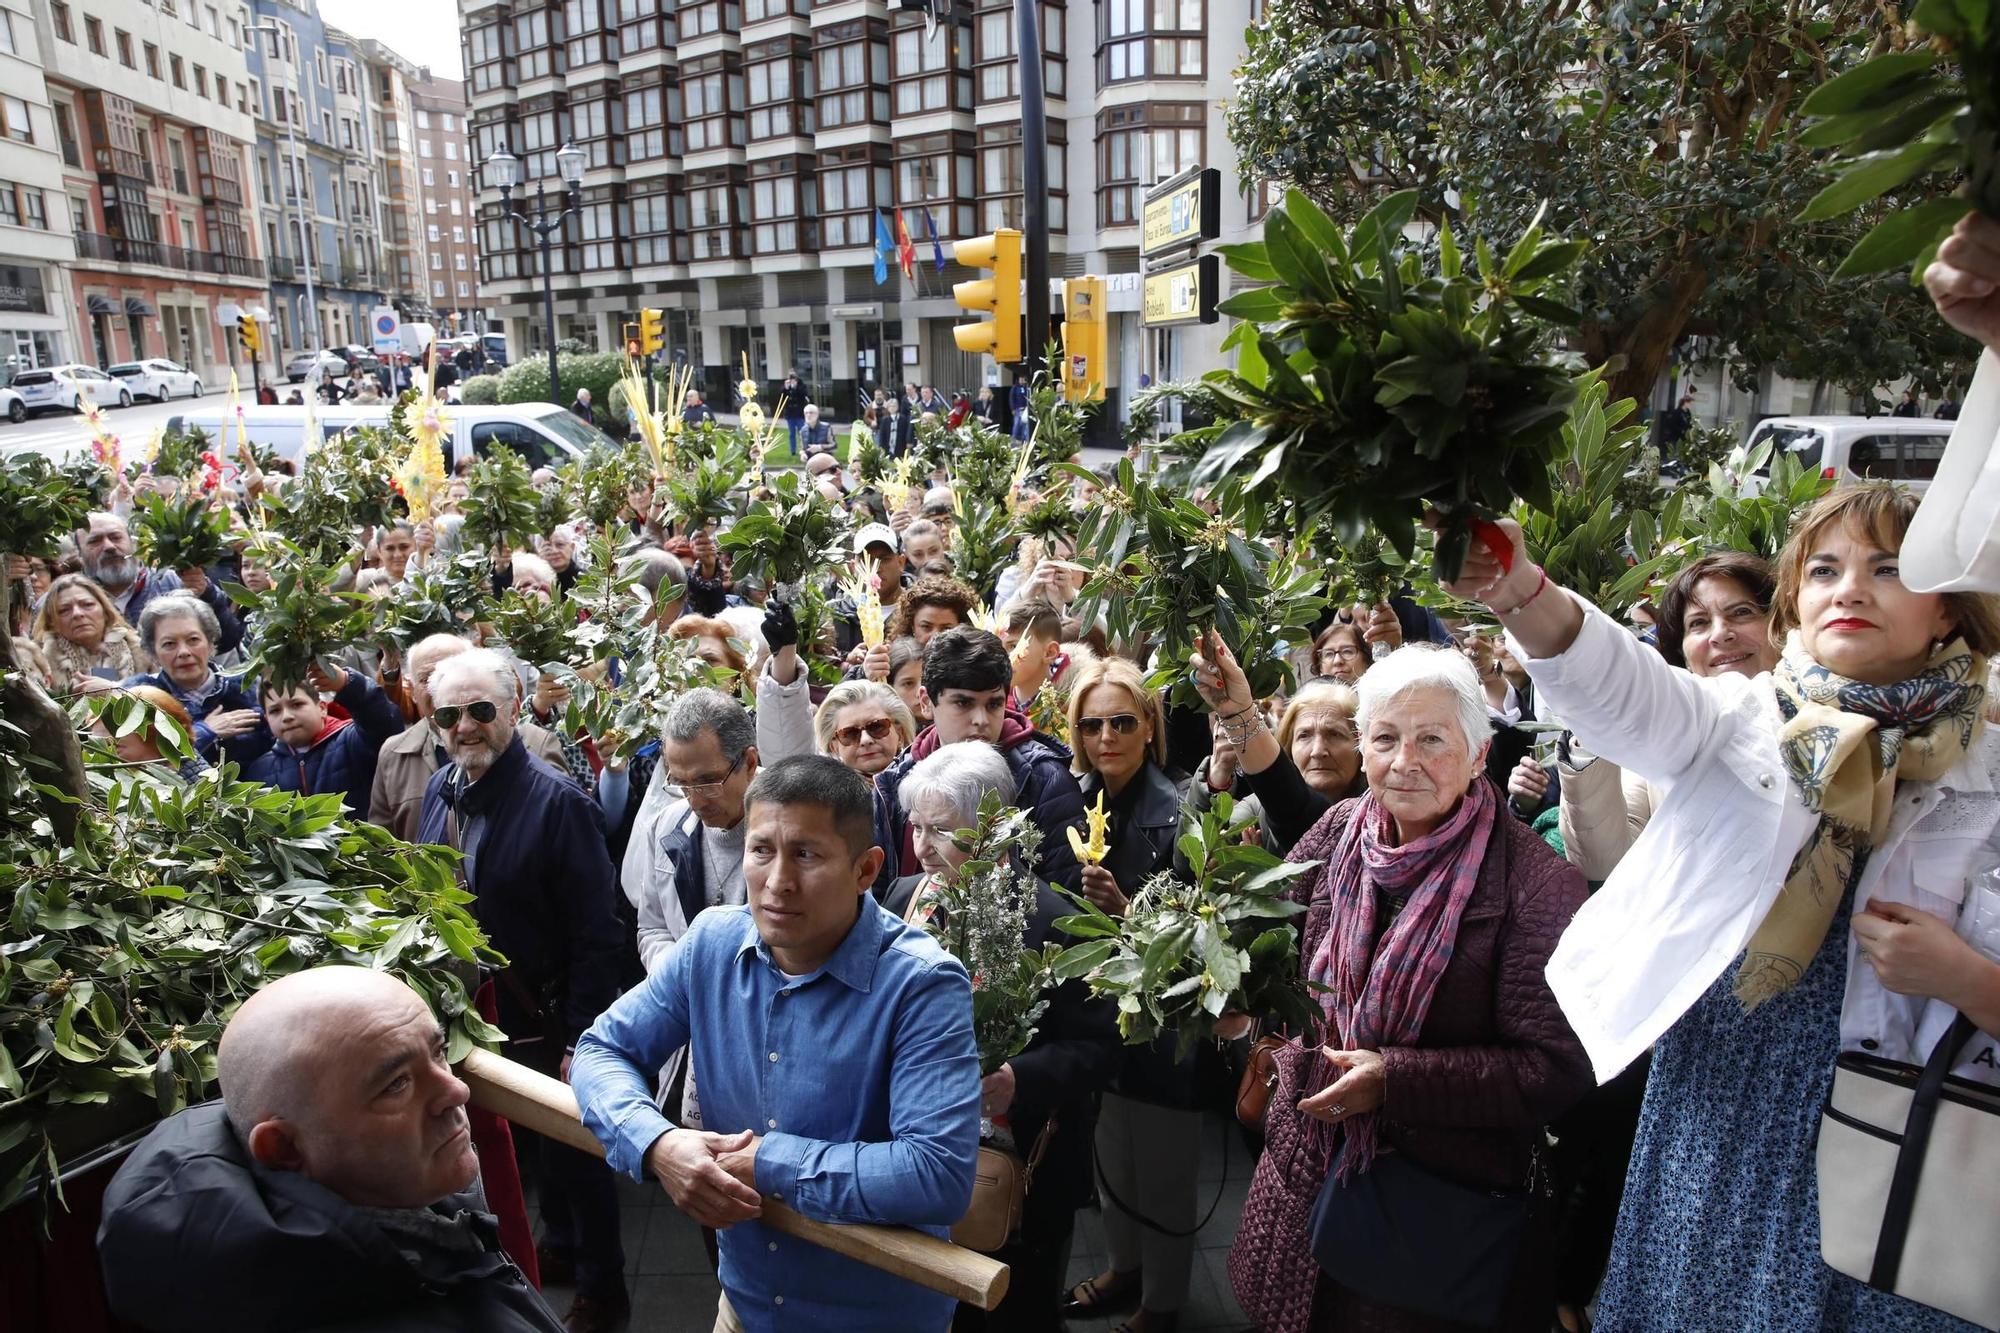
{"x": 781, "y": 627}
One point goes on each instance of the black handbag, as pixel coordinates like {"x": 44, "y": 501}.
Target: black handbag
{"x": 1400, "y": 1236}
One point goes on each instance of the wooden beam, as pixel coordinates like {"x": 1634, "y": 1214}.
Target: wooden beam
{"x": 547, "y": 1106}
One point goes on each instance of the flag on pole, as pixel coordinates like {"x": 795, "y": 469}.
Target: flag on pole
{"x": 884, "y": 243}
{"x": 937, "y": 250}
{"x": 906, "y": 251}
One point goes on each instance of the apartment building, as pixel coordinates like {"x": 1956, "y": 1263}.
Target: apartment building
{"x": 740, "y": 152}
{"x": 148, "y": 106}
{"x": 393, "y": 144}
{"x": 322, "y": 222}
{"x": 443, "y": 158}
{"x": 35, "y": 240}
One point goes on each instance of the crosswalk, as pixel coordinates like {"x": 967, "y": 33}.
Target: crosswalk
{"x": 61, "y": 434}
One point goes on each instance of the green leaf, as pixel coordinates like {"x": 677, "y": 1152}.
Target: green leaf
{"x": 1876, "y": 175}
{"x": 1262, "y": 305}
{"x": 1449, "y": 263}
{"x": 1250, "y": 259}
{"x": 1899, "y": 238}
{"x": 1864, "y": 85}
{"x": 1553, "y": 258}
{"x": 1386, "y": 219}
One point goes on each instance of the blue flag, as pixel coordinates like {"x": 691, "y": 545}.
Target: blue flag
{"x": 884, "y": 243}
{"x": 937, "y": 250}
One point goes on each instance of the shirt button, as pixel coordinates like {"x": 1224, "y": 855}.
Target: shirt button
{"x": 774, "y": 1247}
{"x": 777, "y": 1300}
{"x": 1870, "y": 1044}
{"x": 774, "y": 1057}
{"x": 1765, "y": 781}
{"x": 770, "y": 1124}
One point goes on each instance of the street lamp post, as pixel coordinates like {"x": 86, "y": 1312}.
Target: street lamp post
{"x": 504, "y": 169}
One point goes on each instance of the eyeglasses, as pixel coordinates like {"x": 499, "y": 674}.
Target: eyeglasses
{"x": 446, "y": 715}
{"x": 1342, "y": 654}
{"x": 1123, "y": 723}
{"x": 877, "y": 730}
{"x": 712, "y": 786}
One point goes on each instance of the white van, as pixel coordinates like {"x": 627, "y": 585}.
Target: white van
{"x": 543, "y": 434}
{"x": 1899, "y": 449}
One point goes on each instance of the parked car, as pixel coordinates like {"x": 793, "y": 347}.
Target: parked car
{"x": 543, "y": 434}
{"x": 360, "y": 360}
{"x": 1900, "y": 449}
{"x": 67, "y": 388}
{"x": 12, "y": 405}
{"x": 158, "y": 379}
{"x": 496, "y": 350}
{"x": 329, "y": 362}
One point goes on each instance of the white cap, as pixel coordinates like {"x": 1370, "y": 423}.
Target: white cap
{"x": 874, "y": 534}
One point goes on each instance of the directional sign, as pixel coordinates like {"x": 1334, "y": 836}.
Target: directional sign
{"x": 1184, "y": 294}
{"x": 386, "y": 328}
{"x": 1182, "y": 212}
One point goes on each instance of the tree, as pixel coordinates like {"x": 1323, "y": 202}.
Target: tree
{"x": 1663, "y": 133}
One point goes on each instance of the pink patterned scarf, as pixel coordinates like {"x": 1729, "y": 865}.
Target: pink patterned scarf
{"x": 1379, "y": 991}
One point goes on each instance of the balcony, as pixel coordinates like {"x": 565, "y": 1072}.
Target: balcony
{"x": 158, "y": 254}
{"x": 283, "y": 269}
{"x": 123, "y": 162}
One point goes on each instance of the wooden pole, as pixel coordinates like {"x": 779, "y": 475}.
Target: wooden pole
{"x": 547, "y": 1106}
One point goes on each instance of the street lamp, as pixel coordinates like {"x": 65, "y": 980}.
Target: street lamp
{"x": 504, "y": 170}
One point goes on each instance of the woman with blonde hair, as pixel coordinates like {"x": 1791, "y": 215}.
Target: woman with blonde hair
{"x": 864, "y": 724}
{"x": 1291, "y": 776}
{"x": 81, "y": 633}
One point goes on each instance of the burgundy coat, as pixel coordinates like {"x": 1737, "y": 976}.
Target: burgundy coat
{"x": 1496, "y": 1061}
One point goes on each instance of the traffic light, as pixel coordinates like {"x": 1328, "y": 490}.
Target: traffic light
{"x": 632, "y": 341}
{"x": 249, "y": 335}
{"x": 652, "y": 331}
{"x": 1085, "y": 369}
{"x": 1000, "y": 294}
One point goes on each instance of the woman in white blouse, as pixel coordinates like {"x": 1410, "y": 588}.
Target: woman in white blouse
{"x": 1858, "y": 778}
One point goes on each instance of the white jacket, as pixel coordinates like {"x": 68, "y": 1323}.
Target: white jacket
{"x": 1683, "y": 903}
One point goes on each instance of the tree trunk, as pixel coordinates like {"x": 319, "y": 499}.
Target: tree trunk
{"x": 51, "y": 738}
{"x": 1648, "y": 342}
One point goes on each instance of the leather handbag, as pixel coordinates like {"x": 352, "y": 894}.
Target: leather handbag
{"x": 1000, "y": 1185}
{"x": 1908, "y": 1198}
{"x": 1403, "y": 1237}
{"x": 1259, "y": 1081}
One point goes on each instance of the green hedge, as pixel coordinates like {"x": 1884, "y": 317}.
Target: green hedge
{"x": 527, "y": 381}
{"x": 480, "y": 391}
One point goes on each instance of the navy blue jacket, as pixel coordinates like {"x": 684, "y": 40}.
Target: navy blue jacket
{"x": 343, "y": 760}
{"x": 543, "y": 887}
{"x": 222, "y": 694}
{"x": 1043, "y": 787}
{"x": 680, "y": 847}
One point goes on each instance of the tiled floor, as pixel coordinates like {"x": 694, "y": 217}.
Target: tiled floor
{"x": 674, "y": 1292}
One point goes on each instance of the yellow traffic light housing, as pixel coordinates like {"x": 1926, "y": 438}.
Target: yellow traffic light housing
{"x": 1085, "y": 345}
{"x": 1000, "y": 294}
{"x": 652, "y": 331}
{"x": 249, "y": 335}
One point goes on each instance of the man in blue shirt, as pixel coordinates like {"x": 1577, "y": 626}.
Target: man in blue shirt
{"x": 839, "y": 1075}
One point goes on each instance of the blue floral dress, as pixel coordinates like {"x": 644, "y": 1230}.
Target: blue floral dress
{"x": 1719, "y": 1229}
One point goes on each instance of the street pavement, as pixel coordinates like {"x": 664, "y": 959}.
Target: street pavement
{"x": 57, "y": 432}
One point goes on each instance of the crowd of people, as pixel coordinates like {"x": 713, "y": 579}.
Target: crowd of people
{"x": 1580, "y": 1008}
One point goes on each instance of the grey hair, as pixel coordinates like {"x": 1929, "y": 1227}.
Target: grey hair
{"x": 657, "y": 569}
{"x": 705, "y": 710}
{"x": 534, "y": 564}
{"x": 446, "y": 529}
{"x": 859, "y": 691}
{"x": 961, "y": 775}
{"x": 564, "y": 532}
{"x": 474, "y": 662}
{"x": 178, "y": 606}
{"x": 1423, "y": 666}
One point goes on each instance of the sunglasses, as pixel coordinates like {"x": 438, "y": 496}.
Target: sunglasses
{"x": 1123, "y": 723}
{"x": 446, "y": 715}
{"x": 877, "y": 730}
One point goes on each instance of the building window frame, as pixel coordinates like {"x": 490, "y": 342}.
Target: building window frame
{"x": 851, "y": 74}
{"x": 1140, "y": 144}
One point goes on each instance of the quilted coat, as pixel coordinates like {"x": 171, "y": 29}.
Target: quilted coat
{"x": 1496, "y": 1061}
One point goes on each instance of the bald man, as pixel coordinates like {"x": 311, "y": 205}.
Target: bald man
{"x": 333, "y": 1187}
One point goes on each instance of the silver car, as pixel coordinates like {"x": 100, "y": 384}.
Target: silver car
{"x": 332, "y": 365}
{"x": 68, "y": 388}
{"x": 158, "y": 379}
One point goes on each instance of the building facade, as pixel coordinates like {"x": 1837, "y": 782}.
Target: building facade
{"x": 393, "y": 145}
{"x": 443, "y": 151}
{"x": 742, "y": 154}
{"x": 149, "y": 110}
{"x": 322, "y": 224}
{"x": 35, "y": 239}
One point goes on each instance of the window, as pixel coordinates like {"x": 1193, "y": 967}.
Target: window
{"x": 7, "y": 30}
{"x": 534, "y": 56}
{"x": 437, "y": 260}
{"x": 592, "y": 39}
{"x": 597, "y": 227}
{"x": 423, "y": 119}
{"x": 34, "y": 209}
{"x": 451, "y": 150}
{"x": 1140, "y": 144}
{"x": 424, "y": 148}
{"x": 464, "y": 289}
{"x": 852, "y": 64}
{"x": 450, "y": 179}
{"x": 214, "y": 23}
{"x": 705, "y": 16}
{"x": 780, "y": 84}
{"x": 928, "y": 74}
{"x": 715, "y": 211}
{"x": 993, "y": 53}
{"x": 756, "y": 11}
{"x": 1158, "y": 39}
{"x": 458, "y": 236}
{"x": 437, "y": 289}
{"x": 431, "y": 206}
{"x": 590, "y": 127}
{"x": 486, "y": 54}
{"x": 539, "y": 139}
{"x": 640, "y": 26}
{"x": 429, "y": 177}
{"x": 710, "y": 87}
{"x": 14, "y": 120}
{"x": 852, "y": 181}
{"x": 458, "y": 262}
{"x": 200, "y": 81}
{"x": 934, "y": 171}
{"x": 457, "y": 208}
{"x": 448, "y": 125}
{"x": 177, "y": 71}
{"x": 93, "y": 35}
{"x": 1001, "y": 184}
{"x": 652, "y": 117}
{"x": 152, "y": 60}
{"x": 125, "y": 49}
{"x": 782, "y": 206}
{"x": 10, "y": 211}
{"x": 433, "y": 233}
{"x": 59, "y": 12}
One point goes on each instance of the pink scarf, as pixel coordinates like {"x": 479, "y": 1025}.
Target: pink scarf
{"x": 1379, "y": 991}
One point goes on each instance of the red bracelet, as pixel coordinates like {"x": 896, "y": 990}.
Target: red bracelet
{"x": 1539, "y": 586}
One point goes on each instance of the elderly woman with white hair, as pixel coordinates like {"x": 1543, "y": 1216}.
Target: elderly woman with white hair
{"x": 1053, "y": 1084}
{"x": 1431, "y": 917}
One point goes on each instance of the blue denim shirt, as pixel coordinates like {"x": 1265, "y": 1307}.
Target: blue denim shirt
{"x": 863, "y": 1078}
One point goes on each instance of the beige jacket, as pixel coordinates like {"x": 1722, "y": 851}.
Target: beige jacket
{"x": 1603, "y": 810}
{"x": 406, "y": 762}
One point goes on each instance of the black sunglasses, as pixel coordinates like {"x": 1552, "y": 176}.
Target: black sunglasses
{"x": 1123, "y": 723}
{"x": 446, "y": 715}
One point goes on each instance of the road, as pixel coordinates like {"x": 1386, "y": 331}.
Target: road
{"x": 59, "y": 432}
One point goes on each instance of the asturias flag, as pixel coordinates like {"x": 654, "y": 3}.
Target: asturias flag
{"x": 937, "y": 250}
{"x": 906, "y": 252}
{"x": 884, "y": 243}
